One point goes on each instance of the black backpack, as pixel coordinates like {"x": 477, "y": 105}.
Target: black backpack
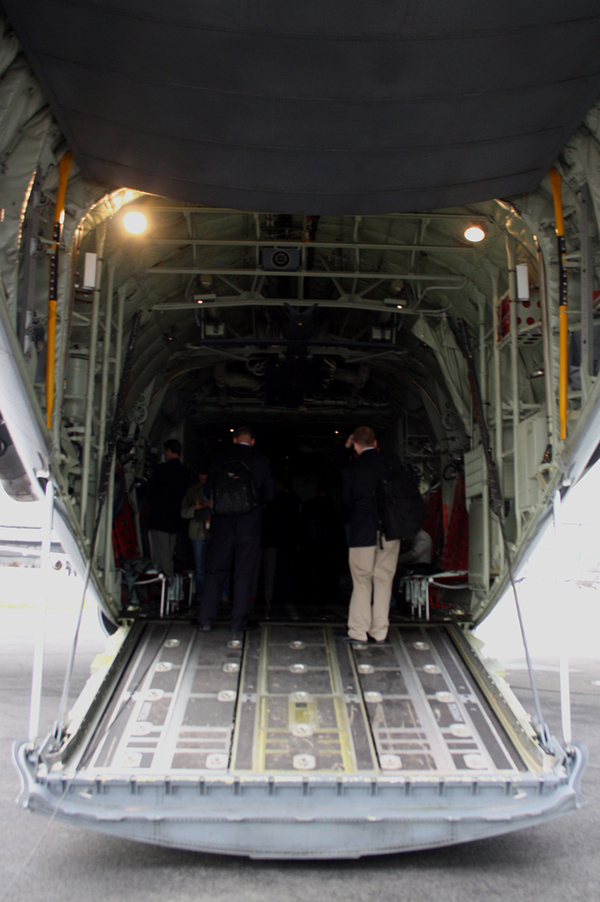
{"x": 400, "y": 507}
{"x": 233, "y": 490}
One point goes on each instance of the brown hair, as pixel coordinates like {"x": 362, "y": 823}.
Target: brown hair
{"x": 364, "y": 436}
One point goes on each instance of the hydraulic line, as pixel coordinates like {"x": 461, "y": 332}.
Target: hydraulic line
{"x": 563, "y": 303}
{"x": 105, "y": 470}
{"x": 462, "y": 338}
{"x": 59, "y": 217}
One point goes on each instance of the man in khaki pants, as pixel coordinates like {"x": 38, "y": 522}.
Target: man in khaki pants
{"x": 372, "y": 559}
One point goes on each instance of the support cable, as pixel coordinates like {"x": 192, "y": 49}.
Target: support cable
{"x": 462, "y": 338}
{"x": 102, "y": 492}
{"x": 565, "y": 689}
{"x": 67, "y": 784}
{"x": 8, "y": 894}
{"x": 132, "y": 691}
{"x": 38, "y": 654}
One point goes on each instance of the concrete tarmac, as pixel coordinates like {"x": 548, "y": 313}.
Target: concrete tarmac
{"x": 57, "y": 863}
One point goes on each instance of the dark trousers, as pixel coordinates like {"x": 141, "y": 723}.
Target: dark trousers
{"x": 231, "y": 542}
{"x": 199, "y": 549}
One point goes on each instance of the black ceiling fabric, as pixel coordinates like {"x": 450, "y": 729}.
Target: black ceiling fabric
{"x": 328, "y": 106}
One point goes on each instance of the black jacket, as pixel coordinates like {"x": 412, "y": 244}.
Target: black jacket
{"x": 166, "y": 489}
{"x": 262, "y": 477}
{"x": 360, "y": 478}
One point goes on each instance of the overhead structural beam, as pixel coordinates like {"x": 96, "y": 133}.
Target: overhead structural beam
{"x": 326, "y": 343}
{"x": 311, "y": 273}
{"x": 251, "y": 299}
{"x": 336, "y": 245}
{"x": 177, "y": 208}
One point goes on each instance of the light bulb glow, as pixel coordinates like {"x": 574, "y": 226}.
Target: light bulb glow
{"x": 474, "y": 233}
{"x": 135, "y": 222}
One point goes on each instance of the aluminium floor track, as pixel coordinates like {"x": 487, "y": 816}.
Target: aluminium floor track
{"x": 290, "y": 698}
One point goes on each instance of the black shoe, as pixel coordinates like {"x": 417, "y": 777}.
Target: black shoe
{"x": 203, "y": 627}
{"x": 349, "y": 639}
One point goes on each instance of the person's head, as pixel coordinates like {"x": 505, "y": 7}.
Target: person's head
{"x": 243, "y": 436}
{"x": 172, "y": 448}
{"x": 363, "y": 437}
{"x": 202, "y": 472}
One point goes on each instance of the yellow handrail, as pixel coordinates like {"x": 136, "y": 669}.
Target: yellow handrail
{"x": 59, "y": 217}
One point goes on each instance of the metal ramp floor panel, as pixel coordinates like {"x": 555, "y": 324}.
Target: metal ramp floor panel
{"x": 290, "y": 744}
{"x": 290, "y": 699}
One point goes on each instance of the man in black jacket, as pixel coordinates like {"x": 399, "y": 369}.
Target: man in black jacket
{"x": 372, "y": 559}
{"x": 235, "y": 537}
{"x": 166, "y": 488}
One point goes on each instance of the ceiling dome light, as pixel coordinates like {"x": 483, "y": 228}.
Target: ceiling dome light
{"x": 474, "y": 233}
{"x": 135, "y": 222}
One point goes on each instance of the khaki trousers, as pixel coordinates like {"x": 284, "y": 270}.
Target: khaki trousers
{"x": 372, "y": 569}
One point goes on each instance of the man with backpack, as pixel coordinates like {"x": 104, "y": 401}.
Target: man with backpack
{"x": 239, "y": 483}
{"x": 380, "y": 502}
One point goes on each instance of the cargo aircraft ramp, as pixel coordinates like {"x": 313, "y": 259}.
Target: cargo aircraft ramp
{"x": 286, "y": 743}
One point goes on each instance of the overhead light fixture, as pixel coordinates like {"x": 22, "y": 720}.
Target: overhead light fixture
{"x": 135, "y": 222}
{"x": 474, "y": 233}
